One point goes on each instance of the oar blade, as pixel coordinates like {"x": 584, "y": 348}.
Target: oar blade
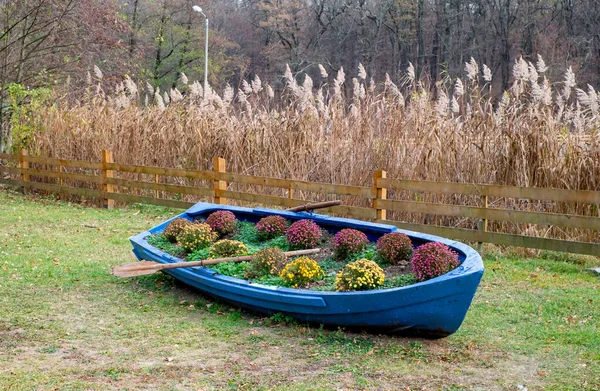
{"x": 135, "y": 269}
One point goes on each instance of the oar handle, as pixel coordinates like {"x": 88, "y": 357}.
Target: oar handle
{"x": 314, "y": 205}
{"x": 215, "y": 261}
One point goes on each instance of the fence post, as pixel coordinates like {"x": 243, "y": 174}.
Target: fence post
{"x": 219, "y": 166}
{"x": 381, "y": 193}
{"x": 482, "y": 224}
{"x": 24, "y": 165}
{"x": 60, "y": 171}
{"x": 156, "y": 181}
{"x": 107, "y": 188}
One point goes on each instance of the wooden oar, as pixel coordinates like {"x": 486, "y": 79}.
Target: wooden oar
{"x": 147, "y": 267}
{"x": 315, "y": 205}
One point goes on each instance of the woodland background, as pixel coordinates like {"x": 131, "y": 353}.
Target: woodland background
{"x": 50, "y": 42}
{"x": 484, "y": 91}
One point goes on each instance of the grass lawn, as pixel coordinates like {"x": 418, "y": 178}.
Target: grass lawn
{"x": 66, "y": 324}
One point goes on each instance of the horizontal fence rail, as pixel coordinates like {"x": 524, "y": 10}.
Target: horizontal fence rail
{"x": 535, "y": 193}
{"x": 504, "y": 239}
{"x": 515, "y": 216}
{"x": 109, "y": 181}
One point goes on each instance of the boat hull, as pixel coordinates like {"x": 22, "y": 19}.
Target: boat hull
{"x": 433, "y": 308}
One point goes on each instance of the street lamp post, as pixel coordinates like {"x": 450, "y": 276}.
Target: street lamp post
{"x": 199, "y": 10}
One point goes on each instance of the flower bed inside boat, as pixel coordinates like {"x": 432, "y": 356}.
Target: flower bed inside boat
{"x": 350, "y": 259}
{"x": 432, "y": 308}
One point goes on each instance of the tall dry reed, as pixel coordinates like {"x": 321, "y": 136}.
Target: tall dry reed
{"x": 340, "y": 130}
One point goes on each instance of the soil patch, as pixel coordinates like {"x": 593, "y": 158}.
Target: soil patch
{"x": 397, "y": 270}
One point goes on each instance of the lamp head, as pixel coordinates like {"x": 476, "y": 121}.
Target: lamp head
{"x": 199, "y": 10}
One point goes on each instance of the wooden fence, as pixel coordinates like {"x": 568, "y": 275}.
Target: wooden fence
{"x": 110, "y": 181}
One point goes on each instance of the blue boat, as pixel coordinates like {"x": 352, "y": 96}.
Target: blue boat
{"x": 434, "y": 308}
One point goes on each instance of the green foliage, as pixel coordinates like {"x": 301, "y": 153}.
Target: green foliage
{"x": 279, "y": 242}
{"x": 270, "y": 280}
{"x": 252, "y": 248}
{"x": 246, "y": 232}
{"x": 231, "y": 269}
{"x": 174, "y": 228}
{"x": 196, "y": 236}
{"x": 340, "y": 340}
{"x": 359, "y": 275}
{"x": 162, "y": 243}
{"x": 227, "y": 248}
{"x": 370, "y": 253}
{"x": 301, "y": 271}
{"x": 281, "y": 318}
{"x": 561, "y": 257}
{"x": 48, "y": 349}
{"x": 415, "y": 349}
{"x": 25, "y": 108}
{"x": 399, "y": 281}
{"x": 331, "y": 264}
{"x": 326, "y": 284}
{"x": 454, "y": 387}
{"x": 199, "y": 254}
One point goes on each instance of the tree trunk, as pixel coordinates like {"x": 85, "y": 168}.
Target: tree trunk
{"x": 160, "y": 42}
{"x": 134, "y": 21}
{"x": 435, "y": 50}
{"x": 184, "y": 50}
{"x": 420, "y": 36}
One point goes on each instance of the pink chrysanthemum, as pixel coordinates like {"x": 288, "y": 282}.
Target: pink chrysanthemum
{"x": 394, "y": 248}
{"x": 222, "y": 222}
{"x": 433, "y": 259}
{"x": 270, "y": 227}
{"x": 303, "y": 234}
{"x": 349, "y": 241}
